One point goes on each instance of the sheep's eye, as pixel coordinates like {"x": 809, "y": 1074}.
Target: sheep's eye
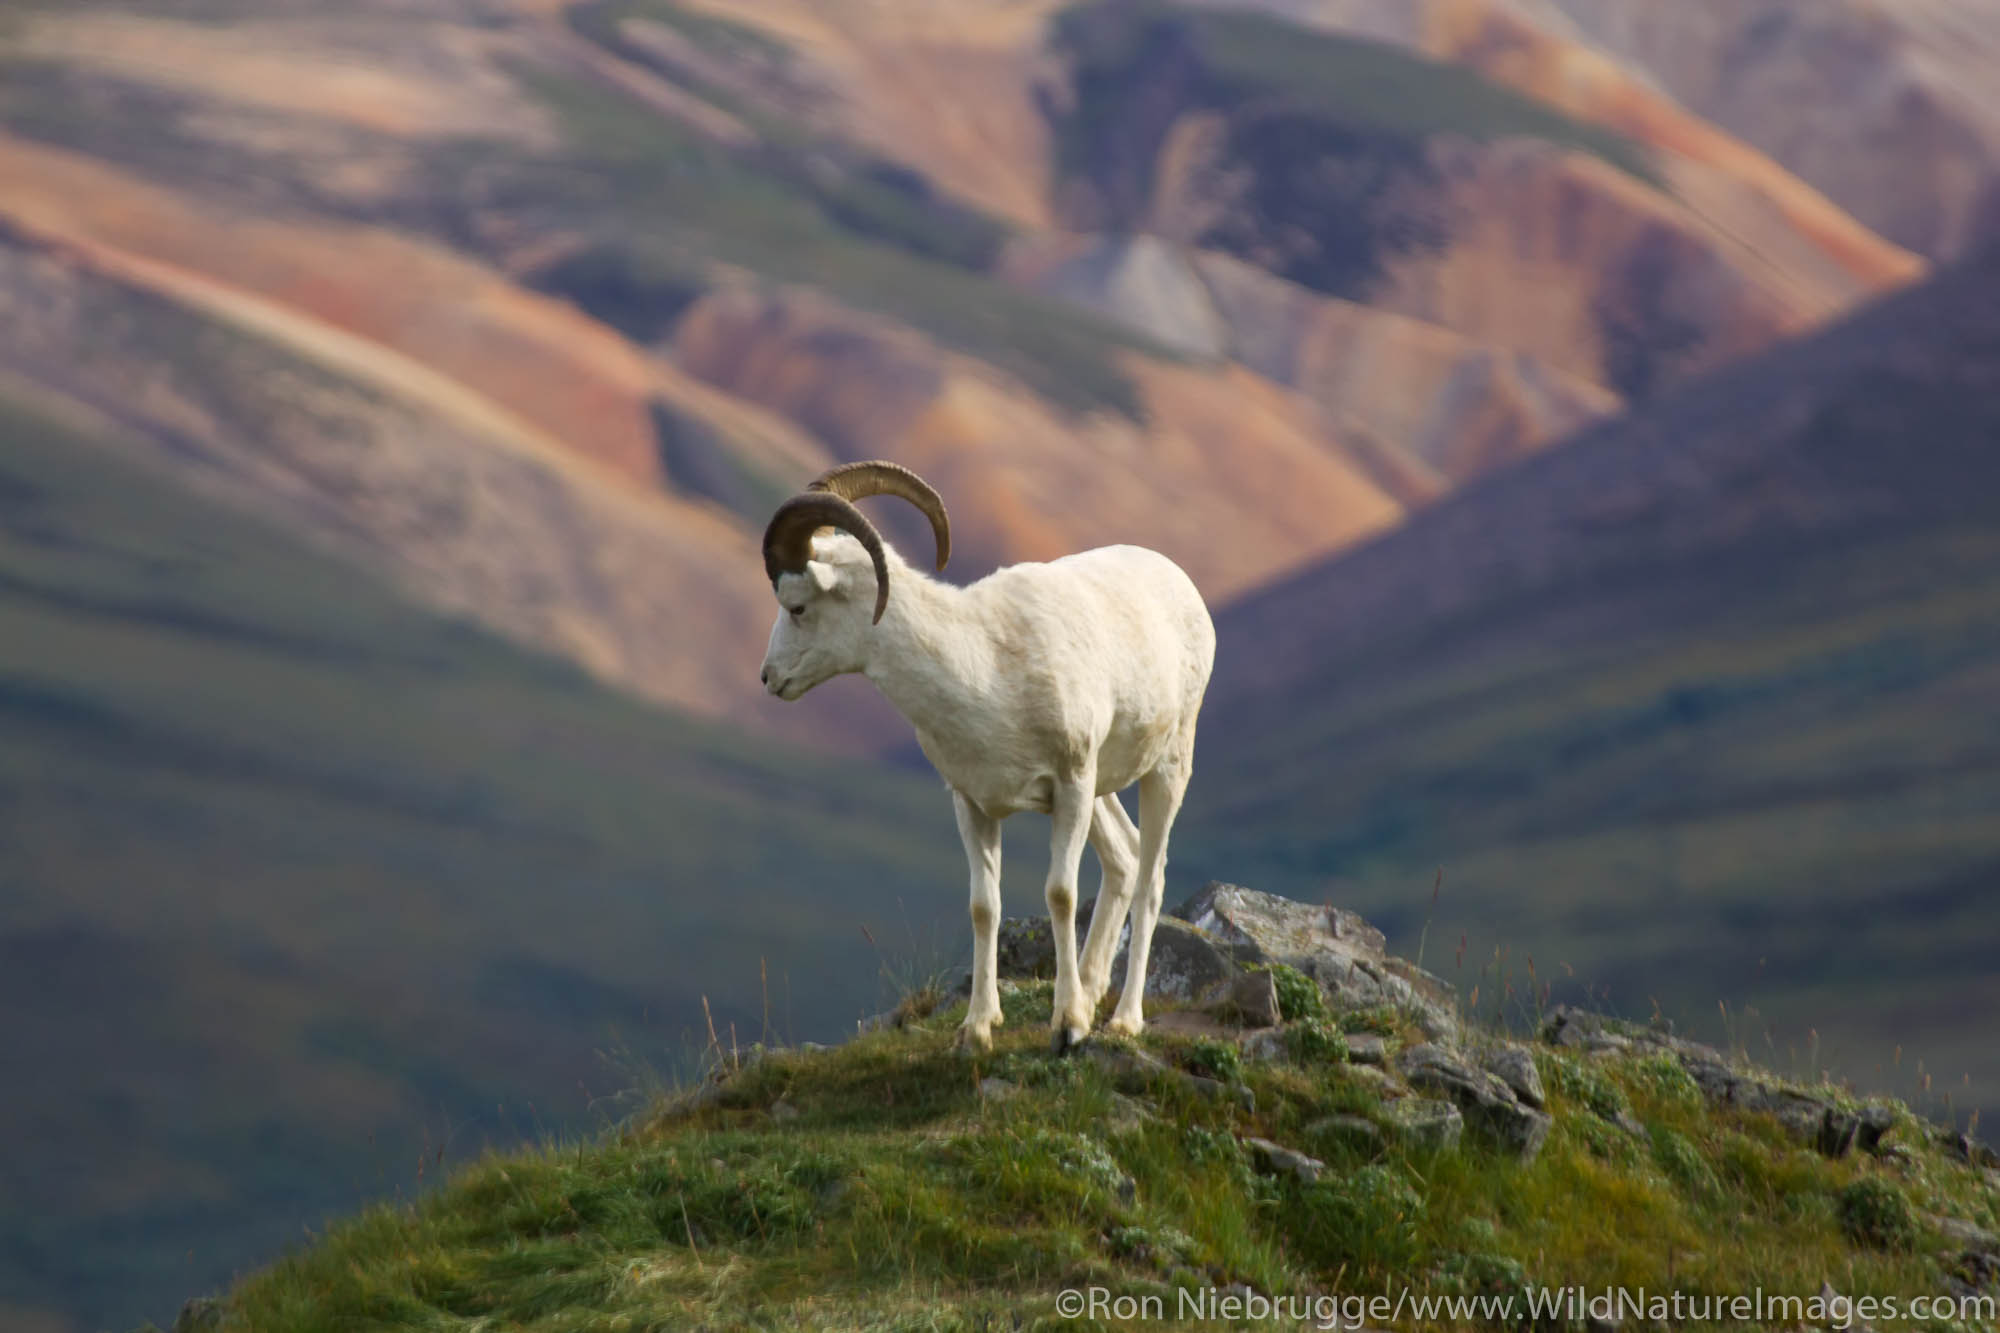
{"x": 796, "y": 611}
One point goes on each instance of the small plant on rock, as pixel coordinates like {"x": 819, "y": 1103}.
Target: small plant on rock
{"x": 1315, "y": 1041}
{"x": 1299, "y": 996}
{"x": 1216, "y": 1059}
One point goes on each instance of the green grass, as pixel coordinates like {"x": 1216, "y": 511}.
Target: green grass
{"x": 1377, "y": 85}
{"x": 304, "y": 885}
{"x": 890, "y": 1194}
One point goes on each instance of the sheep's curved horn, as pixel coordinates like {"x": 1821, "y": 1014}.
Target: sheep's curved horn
{"x": 788, "y": 537}
{"x": 855, "y": 481}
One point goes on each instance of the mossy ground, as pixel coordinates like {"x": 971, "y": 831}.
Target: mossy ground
{"x": 876, "y": 1186}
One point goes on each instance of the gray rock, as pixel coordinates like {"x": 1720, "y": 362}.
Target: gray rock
{"x": 996, "y": 1089}
{"x": 1967, "y": 1236}
{"x": 1377, "y": 1078}
{"x": 1336, "y": 948}
{"x": 1487, "y": 1103}
{"x": 1271, "y": 929}
{"x": 1025, "y": 948}
{"x": 1355, "y": 1133}
{"x": 1193, "y": 1024}
{"x": 1812, "y": 1115}
{"x": 1580, "y": 1029}
{"x": 1184, "y": 966}
{"x": 1816, "y": 1116}
{"x": 1425, "y": 1122}
{"x": 1513, "y": 1066}
{"x": 1128, "y": 1115}
{"x": 1264, "y": 1045}
{"x": 1134, "y": 1071}
{"x": 1968, "y": 1149}
{"x": 1250, "y": 998}
{"x": 782, "y": 1110}
{"x": 1367, "y": 1048}
{"x": 1278, "y": 1160}
{"x": 1876, "y": 1122}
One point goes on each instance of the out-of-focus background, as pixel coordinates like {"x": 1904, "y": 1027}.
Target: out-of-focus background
{"x": 1582, "y": 415}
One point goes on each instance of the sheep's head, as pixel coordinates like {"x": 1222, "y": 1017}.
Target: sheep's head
{"x": 828, "y": 582}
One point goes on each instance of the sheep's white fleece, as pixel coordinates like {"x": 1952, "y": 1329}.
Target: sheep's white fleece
{"x": 1041, "y": 687}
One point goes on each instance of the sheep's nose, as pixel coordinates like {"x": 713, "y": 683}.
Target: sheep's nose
{"x": 765, "y": 675}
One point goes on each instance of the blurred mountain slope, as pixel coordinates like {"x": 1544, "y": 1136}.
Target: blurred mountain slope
{"x": 1886, "y": 105}
{"x": 302, "y": 884}
{"x": 685, "y": 255}
{"x": 1699, "y": 703}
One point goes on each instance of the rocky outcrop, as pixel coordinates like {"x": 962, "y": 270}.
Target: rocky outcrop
{"x": 1486, "y": 1102}
{"x": 1824, "y": 1116}
{"x": 1214, "y": 951}
{"x": 1334, "y": 947}
{"x": 1211, "y": 957}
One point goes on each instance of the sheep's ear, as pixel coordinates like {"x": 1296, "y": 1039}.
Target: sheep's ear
{"x": 824, "y": 576}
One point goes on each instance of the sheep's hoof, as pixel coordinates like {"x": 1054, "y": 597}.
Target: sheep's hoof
{"x": 1067, "y": 1038}
{"x": 1124, "y": 1027}
{"x": 974, "y": 1040}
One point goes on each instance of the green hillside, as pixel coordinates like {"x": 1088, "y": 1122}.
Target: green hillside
{"x": 303, "y": 887}
{"x": 1696, "y": 710}
{"x": 894, "y": 1184}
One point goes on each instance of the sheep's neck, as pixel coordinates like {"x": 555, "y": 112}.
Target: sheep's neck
{"x": 930, "y": 659}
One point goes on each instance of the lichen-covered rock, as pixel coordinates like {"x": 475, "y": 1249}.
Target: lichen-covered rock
{"x": 1516, "y": 1068}
{"x": 1821, "y": 1116}
{"x": 1486, "y": 1101}
{"x": 1185, "y": 967}
{"x": 1271, "y": 929}
{"x": 1425, "y": 1122}
{"x": 1367, "y": 1048}
{"x": 1276, "y": 1159}
{"x": 1135, "y": 1071}
{"x": 1334, "y": 947}
{"x": 1251, "y": 998}
{"x": 1264, "y": 1045}
{"x": 1350, "y": 1133}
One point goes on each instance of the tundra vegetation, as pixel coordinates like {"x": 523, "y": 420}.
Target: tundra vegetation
{"x": 899, "y": 1182}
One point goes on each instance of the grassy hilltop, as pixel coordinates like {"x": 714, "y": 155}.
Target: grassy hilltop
{"x": 896, "y": 1183}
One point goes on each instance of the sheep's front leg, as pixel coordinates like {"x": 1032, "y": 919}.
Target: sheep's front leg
{"x": 1071, "y": 814}
{"x": 980, "y": 833}
{"x": 1116, "y": 839}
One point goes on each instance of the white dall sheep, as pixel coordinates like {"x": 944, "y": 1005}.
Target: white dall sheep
{"x": 1040, "y": 687}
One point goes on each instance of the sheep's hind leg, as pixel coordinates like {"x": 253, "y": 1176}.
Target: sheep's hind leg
{"x": 1070, "y": 814}
{"x": 1160, "y": 794}
{"x": 1116, "y": 839}
{"x": 981, "y": 834}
